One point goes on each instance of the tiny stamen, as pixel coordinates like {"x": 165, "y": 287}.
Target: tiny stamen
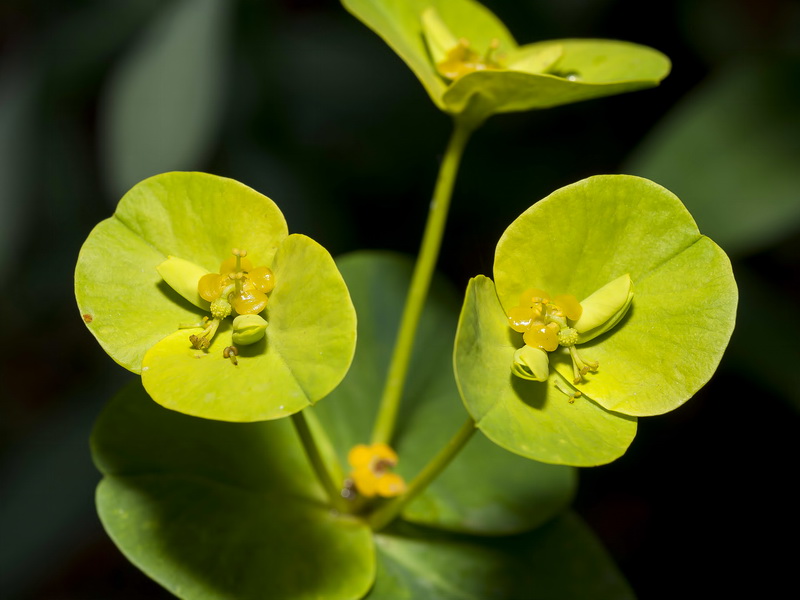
{"x": 581, "y": 367}
{"x": 576, "y": 373}
{"x": 231, "y": 352}
{"x": 199, "y": 342}
{"x": 570, "y": 394}
{"x": 203, "y": 341}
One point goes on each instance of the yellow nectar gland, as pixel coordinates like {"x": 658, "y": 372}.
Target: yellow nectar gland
{"x": 461, "y": 59}
{"x": 371, "y": 473}
{"x": 544, "y": 323}
{"x": 237, "y": 287}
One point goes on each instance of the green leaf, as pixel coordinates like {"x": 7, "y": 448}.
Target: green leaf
{"x": 730, "y": 149}
{"x": 221, "y": 510}
{"x": 529, "y": 418}
{"x": 560, "y": 560}
{"x": 164, "y": 103}
{"x": 587, "y": 234}
{"x": 585, "y": 68}
{"x": 485, "y": 489}
{"x": 135, "y": 315}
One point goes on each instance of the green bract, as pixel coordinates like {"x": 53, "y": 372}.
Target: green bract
{"x": 214, "y": 510}
{"x": 136, "y": 283}
{"x": 472, "y": 67}
{"x": 583, "y": 240}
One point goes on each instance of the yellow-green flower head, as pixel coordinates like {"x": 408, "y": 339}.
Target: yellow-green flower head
{"x": 196, "y": 284}
{"x": 371, "y": 474}
{"x": 658, "y": 304}
{"x": 547, "y": 324}
{"x": 472, "y": 67}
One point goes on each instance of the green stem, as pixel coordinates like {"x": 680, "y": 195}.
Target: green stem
{"x": 316, "y": 460}
{"x": 420, "y": 282}
{"x": 387, "y": 513}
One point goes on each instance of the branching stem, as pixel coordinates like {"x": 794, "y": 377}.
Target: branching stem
{"x": 317, "y": 462}
{"x": 420, "y": 282}
{"x": 387, "y": 513}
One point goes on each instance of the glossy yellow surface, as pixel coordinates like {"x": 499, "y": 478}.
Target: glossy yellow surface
{"x": 249, "y": 286}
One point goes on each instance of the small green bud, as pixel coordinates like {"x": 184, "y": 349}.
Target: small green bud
{"x": 531, "y": 363}
{"x": 248, "y": 329}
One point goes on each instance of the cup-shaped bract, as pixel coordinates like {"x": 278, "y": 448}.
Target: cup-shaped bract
{"x": 584, "y": 239}
{"x": 472, "y": 67}
{"x": 136, "y": 283}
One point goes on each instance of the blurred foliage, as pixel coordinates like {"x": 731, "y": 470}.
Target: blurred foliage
{"x": 162, "y": 107}
{"x": 300, "y": 101}
{"x": 730, "y": 151}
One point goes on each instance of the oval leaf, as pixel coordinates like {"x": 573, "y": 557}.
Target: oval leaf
{"x": 561, "y": 560}
{"x": 217, "y": 510}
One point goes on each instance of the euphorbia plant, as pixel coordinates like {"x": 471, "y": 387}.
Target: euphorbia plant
{"x": 148, "y": 283}
{"x": 606, "y": 305}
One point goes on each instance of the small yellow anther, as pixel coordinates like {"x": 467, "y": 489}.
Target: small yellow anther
{"x": 371, "y": 473}
{"x": 231, "y": 352}
{"x": 199, "y": 342}
{"x": 570, "y": 394}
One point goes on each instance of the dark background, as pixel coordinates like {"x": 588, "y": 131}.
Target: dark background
{"x": 312, "y": 109}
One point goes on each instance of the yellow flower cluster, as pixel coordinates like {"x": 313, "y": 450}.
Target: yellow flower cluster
{"x": 371, "y": 473}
